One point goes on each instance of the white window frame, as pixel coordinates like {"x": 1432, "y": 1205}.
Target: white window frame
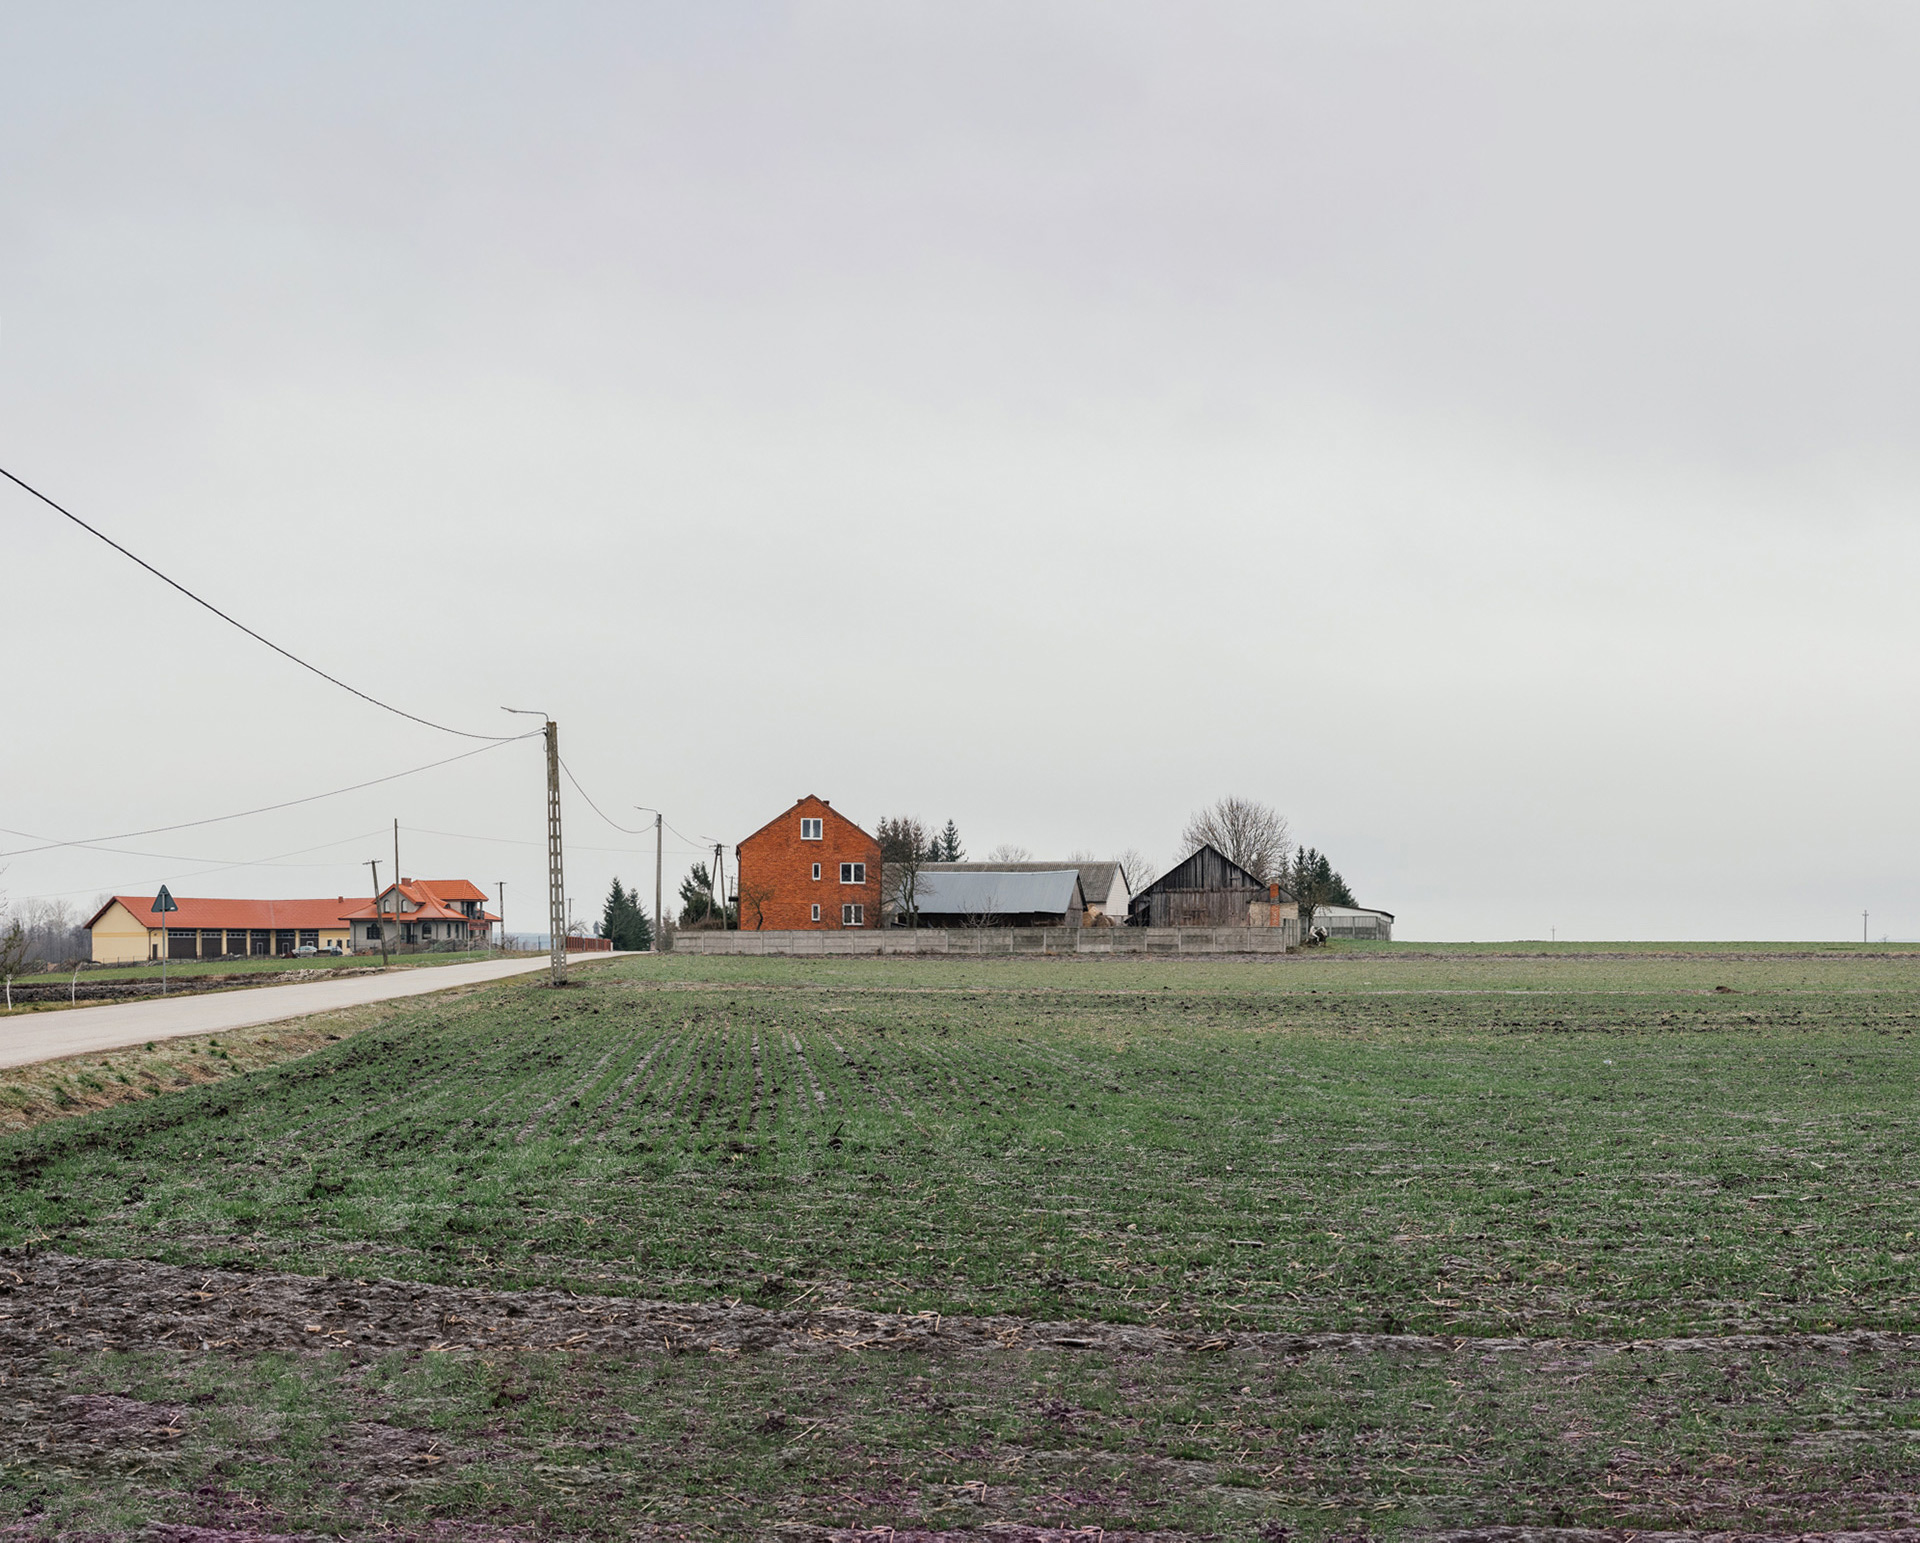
{"x": 853, "y": 915}
{"x": 812, "y": 829}
{"x": 816, "y": 877}
{"x": 853, "y": 873}
{"x": 816, "y": 913}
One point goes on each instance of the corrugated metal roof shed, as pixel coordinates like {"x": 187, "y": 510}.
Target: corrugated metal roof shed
{"x": 995, "y": 892}
{"x": 1096, "y": 879}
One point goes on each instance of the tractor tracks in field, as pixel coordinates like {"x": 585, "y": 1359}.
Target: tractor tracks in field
{"x": 61, "y": 1303}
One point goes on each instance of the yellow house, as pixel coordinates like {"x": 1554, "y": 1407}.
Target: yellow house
{"x": 127, "y": 930}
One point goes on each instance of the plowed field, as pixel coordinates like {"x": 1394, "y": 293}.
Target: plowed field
{"x": 1279, "y": 1248}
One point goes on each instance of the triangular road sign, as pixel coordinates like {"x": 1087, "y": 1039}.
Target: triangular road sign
{"x": 164, "y": 901}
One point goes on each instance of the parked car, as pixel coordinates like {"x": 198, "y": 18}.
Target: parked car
{"x": 305, "y": 951}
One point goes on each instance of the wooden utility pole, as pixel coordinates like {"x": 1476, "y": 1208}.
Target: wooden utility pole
{"x": 374, "y": 864}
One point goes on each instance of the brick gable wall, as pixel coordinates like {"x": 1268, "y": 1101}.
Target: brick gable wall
{"x": 775, "y": 865}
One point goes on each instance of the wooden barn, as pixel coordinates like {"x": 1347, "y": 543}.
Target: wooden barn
{"x": 1204, "y": 891}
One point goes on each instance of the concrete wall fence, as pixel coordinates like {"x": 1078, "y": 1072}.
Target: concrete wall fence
{"x": 1000, "y": 940}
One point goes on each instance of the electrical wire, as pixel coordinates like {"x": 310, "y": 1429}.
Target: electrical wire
{"x": 595, "y": 807}
{"x": 221, "y": 867}
{"x": 611, "y": 821}
{"x": 209, "y": 605}
{"x": 521, "y": 841}
{"x": 180, "y": 857}
{"x": 127, "y": 835}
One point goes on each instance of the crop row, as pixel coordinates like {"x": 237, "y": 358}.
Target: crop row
{"x": 1041, "y": 1152}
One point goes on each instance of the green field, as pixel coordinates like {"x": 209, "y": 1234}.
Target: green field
{"x": 1500, "y": 1167}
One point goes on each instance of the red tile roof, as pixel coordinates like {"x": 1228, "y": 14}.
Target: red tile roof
{"x": 451, "y": 889}
{"x": 429, "y": 907}
{"x": 239, "y": 913}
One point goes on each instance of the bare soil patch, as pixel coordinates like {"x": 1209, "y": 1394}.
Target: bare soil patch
{"x": 58, "y": 1302}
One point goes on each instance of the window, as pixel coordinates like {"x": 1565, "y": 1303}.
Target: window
{"x": 816, "y": 870}
{"x": 812, "y": 830}
{"x": 853, "y": 916}
{"x": 853, "y": 873}
{"x": 816, "y": 909}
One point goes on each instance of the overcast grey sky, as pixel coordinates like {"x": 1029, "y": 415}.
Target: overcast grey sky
{"x": 1486, "y": 432}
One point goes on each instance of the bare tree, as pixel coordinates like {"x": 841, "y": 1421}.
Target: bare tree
{"x": 1136, "y": 870}
{"x": 1007, "y": 852}
{"x": 753, "y": 902}
{"x": 989, "y": 914}
{"x": 906, "y": 846}
{"x": 54, "y": 931}
{"x": 1244, "y": 831}
{"x": 14, "y": 948}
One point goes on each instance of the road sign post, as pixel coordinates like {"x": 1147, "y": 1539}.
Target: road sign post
{"x": 163, "y": 903}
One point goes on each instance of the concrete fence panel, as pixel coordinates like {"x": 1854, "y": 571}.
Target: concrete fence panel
{"x": 988, "y": 941}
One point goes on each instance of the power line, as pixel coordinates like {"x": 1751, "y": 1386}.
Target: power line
{"x": 181, "y": 857}
{"x": 595, "y": 807}
{"x": 613, "y": 822}
{"x": 252, "y": 862}
{"x": 157, "y": 830}
{"x": 522, "y": 841}
{"x": 209, "y": 605}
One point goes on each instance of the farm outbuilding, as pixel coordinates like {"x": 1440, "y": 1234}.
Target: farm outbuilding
{"x": 955, "y": 897}
{"x": 127, "y": 930}
{"x": 1102, "y": 885}
{"x": 1354, "y": 921}
{"x": 1206, "y": 890}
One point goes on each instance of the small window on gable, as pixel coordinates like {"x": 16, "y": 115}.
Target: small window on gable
{"x": 812, "y": 830}
{"x": 816, "y": 870}
{"x": 853, "y": 916}
{"x": 816, "y": 913}
{"x": 853, "y": 873}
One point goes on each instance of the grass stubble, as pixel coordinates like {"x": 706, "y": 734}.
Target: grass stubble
{"x": 1406, "y": 1243}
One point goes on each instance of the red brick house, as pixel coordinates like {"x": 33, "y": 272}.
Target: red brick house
{"x": 808, "y": 870}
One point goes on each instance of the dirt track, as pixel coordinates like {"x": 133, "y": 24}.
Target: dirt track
{"x": 58, "y": 1302}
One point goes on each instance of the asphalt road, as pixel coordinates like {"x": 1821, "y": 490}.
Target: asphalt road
{"x": 30, "y": 1037}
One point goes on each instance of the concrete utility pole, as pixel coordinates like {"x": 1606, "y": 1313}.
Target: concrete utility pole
{"x": 1863, "y": 926}
{"x": 717, "y": 887}
{"x": 659, "y": 848}
{"x": 374, "y": 864}
{"x": 556, "y": 879}
{"x": 398, "y": 896}
{"x": 501, "y": 885}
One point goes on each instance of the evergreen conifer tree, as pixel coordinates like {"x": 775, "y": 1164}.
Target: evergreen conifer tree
{"x": 624, "y": 921}
{"x": 947, "y": 848}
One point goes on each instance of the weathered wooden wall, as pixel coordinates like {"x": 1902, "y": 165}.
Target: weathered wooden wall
{"x": 1204, "y": 891}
